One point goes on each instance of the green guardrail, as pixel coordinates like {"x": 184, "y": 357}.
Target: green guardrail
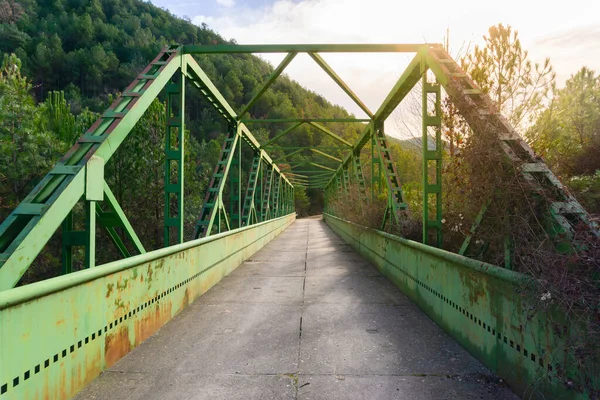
{"x": 484, "y": 308}
{"x": 57, "y": 335}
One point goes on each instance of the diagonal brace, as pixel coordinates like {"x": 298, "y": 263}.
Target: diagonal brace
{"x": 329, "y": 133}
{"x": 319, "y": 60}
{"x": 274, "y": 75}
{"x": 288, "y": 130}
{"x": 326, "y": 155}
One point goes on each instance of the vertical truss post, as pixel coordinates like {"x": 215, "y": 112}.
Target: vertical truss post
{"x": 175, "y": 153}
{"x": 281, "y": 198}
{"x": 86, "y": 238}
{"x": 249, "y": 209}
{"x": 396, "y": 202}
{"x": 260, "y": 191}
{"x": 360, "y": 178}
{"x": 345, "y": 176}
{"x": 90, "y": 237}
{"x": 374, "y": 163}
{"x": 94, "y": 192}
{"x": 67, "y": 244}
{"x": 266, "y": 202}
{"x": 285, "y": 202}
{"x": 286, "y": 199}
{"x": 213, "y": 205}
{"x": 274, "y": 201}
{"x": 289, "y": 200}
{"x": 432, "y": 121}
{"x": 235, "y": 183}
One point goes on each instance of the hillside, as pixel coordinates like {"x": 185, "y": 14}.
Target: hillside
{"x": 92, "y": 49}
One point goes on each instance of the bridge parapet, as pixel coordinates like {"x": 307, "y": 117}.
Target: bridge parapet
{"x": 483, "y": 307}
{"x": 60, "y": 334}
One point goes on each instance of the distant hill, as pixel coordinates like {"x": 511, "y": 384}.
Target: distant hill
{"x": 415, "y": 143}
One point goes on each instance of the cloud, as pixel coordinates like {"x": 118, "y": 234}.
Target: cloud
{"x": 393, "y": 21}
{"x": 226, "y": 3}
{"x": 585, "y": 36}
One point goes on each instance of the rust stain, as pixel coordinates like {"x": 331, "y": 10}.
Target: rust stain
{"x": 109, "y": 289}
{"x": 186, "y": 299}
{"x": 150, "y": 272}
{"x": 152, "y": 321}
{"x": 116, "y": 345}
{"x": 475, "y": 287}
{"x": 63, "y": 382}
{"x": 122, "y": 284}
{"x": 93, "y": 368}
{"x": 60, "y": 322}
{"x": 87, "y": 369}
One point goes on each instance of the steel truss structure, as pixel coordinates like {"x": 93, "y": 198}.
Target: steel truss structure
{"x": 79, "y": 175}
{"x": 269, "y": 191}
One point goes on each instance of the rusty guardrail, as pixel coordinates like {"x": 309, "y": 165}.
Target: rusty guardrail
{"x": 484, "y": 308}
{"x": 57, "y": 335}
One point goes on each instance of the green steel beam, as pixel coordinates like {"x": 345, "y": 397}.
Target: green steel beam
{"x": 432, "y": 188}
{"x": 24, "y": 233}
{"x": 329, "y": 133}
{"x": 174, "y": 153}
{"x": 313, "y": 171}
{"x": 288, "y": 155}
{"x": 198, "y": 77}
{"x": 290, "y": 120}
{"x": 28, "y": 228}
{"x": 308, "y": 161}
{"x": 285, "y": 132}
{"x": 324, "y": 148}
{"x": 110, "y": 198}
{"x": 336, "y": 78}
{"x": 407, "y": 81}
{"x": 249, "y": 200}
{"x": 403, "y": 86}
{"x": 322, "y": 166}
{"x": 249, "y": 138}
{"x": 292, "y": 166}
{"x": 209, "y": 90}
{"x": 213, "y": 202}
{"x": 292, "y": 175}
{"x": 326, "y": 155}
{"x": 274, "y": 75}
{"x": 301, "y": 48}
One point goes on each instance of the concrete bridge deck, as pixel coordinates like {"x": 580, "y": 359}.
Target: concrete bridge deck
{"x": 305, "y": 318}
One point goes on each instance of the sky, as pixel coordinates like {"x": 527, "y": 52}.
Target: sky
{"x": 568, "y": 33}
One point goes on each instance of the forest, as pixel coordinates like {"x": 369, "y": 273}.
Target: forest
{"x": 64, "y": 61}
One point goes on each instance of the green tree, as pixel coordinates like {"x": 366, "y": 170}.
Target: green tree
{"x": 301, "y": 201}
{"x": 26, "y": 152}
{"x": 567, "y": 133}
{"x": 503, "y": 70}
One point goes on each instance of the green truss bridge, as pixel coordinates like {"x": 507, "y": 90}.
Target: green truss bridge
{"x": 257, "y": 304}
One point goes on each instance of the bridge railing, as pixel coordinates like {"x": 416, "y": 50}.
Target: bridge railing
{"x": 484, "y": 308}
{"x": 59, "y": 334}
